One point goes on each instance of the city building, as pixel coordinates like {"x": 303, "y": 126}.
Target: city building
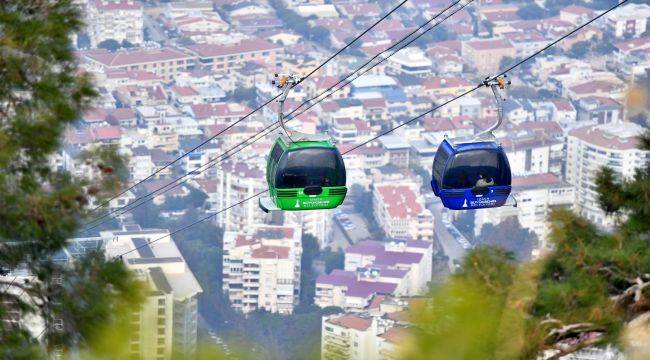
{"x": 226, "y": 58}
{"x": 165, "y": 62}
{"x": 400, "y": 211}
{"x": 398, "y": 267}
{"x": 590, "y": 148}
{"x": 236, "y": 181}
{"x": 629, "y": 20}
{"x": 486, "y": 55}
{"x": 119, "y": 20}
{"x": 167, "y": 321}
{"x": 261, "y": 268}
{"x": 410, "y": 61}
{"x": 377, "y": 333}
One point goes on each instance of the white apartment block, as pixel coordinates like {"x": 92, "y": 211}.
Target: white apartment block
{"x": 261, "y": 270}
{"x": 236, "y": 181}
{"x": 399, "y": 268}
{"x": 536, "y": 196}
{"x": 376, "y": 334}
{"x": 115, "y": 19}
{"x": 167, "y": 321}
{"x": 631, "y": 19}
{"x": 592, "y": 147}
{"x": 410, "y": 61}
{"x": 530, "y": 153}
{"x": 400, "y": 211}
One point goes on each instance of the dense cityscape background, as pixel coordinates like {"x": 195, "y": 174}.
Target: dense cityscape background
{"x": 175, "y": 79}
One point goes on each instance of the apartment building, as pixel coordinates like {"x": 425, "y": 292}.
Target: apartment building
{"x": 349, "y": 131}
{"x": 224, "y": 58}
{"x": 165, "y": 62}
{"x": 167, "y": 321}
{"x": 377, "y": 333}
{"x": 118, "y": 20}
{"x": 629, "y": 20}
{"x": 536, "y": 196}
{"x": 238, "y": 180}
{"x": 592, "y": 147}
{"x": 399, "y": 267}
{"x": 486, "y": 55}
{"x": 530, "y": 152}
{"x": 261, "y": 269}
{"x": 400, "y": 211}
{"x": 409, "y": 61}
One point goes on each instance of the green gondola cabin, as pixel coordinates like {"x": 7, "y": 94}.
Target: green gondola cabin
{"x": 308, "y": 174}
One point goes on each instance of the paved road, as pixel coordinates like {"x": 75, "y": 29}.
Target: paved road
{"x": 449, "y": 245}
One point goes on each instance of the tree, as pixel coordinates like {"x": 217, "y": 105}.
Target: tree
{"x": 41, "y": 94}
{"x": 126, "y": 44}
{"x": 245, "y": 95}
{"x": 531, "y": 11}
{"x": 511, "y": 236}
{"x": 580, "y": 49}
{"x": 545, "y": 94}
{"x": 83, "y": 41}
{"x": 110, "y": 45}
{"x": 489, "y": 26}
{"x": 588, "y": 292}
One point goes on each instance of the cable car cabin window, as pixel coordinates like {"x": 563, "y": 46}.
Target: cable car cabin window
{"x": 439, "y": 163}
{"x": 475, "y": 168}
{"x": 276, "y": 153}
{"x": 311, "y": 167}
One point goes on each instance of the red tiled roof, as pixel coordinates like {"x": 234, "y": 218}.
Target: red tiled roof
{"x": 106, "y": 132}
{"x": 352, "y": 322}
{"x": 395, "y": 335}
{"x": 594, "y": 86}
{"x": 489, "y": 44}
{"x": 563, "y": 105}
{"x": 184, "y": 90}
{"x": 535, "y": 180}
{"x": 245, "y": 46}
{"x": 271, "y": 252}
{"x": 577, "y": 10}
{"x": 598, "y": 137}
{"x": 140, "y": 56}
{"x": 400, "y": 201}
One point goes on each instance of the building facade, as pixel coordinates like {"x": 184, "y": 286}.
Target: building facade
{"x": 118, "y": 20}
{"x": 261, "y": 270}
{"x": 592, "y": 147}
{"x": 166, "y": 324}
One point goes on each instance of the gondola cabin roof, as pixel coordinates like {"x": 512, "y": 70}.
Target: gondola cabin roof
{"x": 324, "y": 142}
{"x": 462, "y": 145}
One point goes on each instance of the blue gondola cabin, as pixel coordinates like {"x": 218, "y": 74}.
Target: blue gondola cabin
{"x": 471, "y": 175}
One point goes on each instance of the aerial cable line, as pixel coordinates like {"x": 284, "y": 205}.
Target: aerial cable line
{"x": 364, "y": 71}
{"x": 360, "y": 68}
{"x": 394, "y": 128}
{"x": 354, "y": 40}
{"x": 106, "y": 202}
{"x": 517, "y": 64}
{"x": 290, "y": 115}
